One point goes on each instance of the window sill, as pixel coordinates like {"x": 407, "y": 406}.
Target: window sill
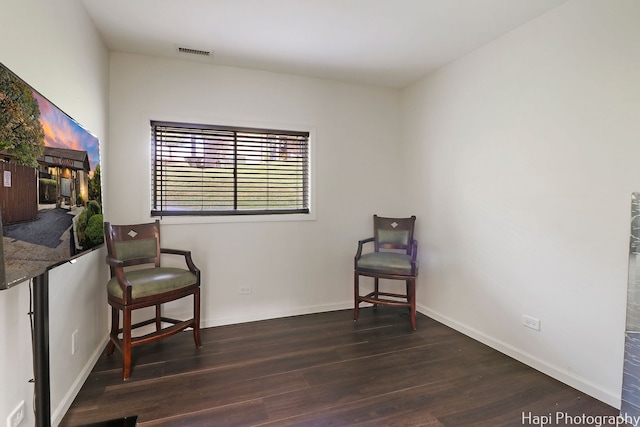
{"x": 222, "y": 219}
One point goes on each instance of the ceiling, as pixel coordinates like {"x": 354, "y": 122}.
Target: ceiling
{"x": 388, "y": 43}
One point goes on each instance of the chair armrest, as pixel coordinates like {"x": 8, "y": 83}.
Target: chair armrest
{"x": 187, "y": 258}
{"x": 414, "y": 251}
{"x": 117, "y": 271}
{"x": 361, "y": 244}
{"x": 112, "y": 262}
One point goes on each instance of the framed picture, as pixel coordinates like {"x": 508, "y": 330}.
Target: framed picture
{"x": 51, "y": 197}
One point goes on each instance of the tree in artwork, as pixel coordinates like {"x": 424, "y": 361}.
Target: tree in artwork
{"x": 95, "y": 188}
{"x": 21, "y": 133}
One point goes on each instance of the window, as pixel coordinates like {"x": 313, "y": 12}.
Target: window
{"x": 221, "y": 170}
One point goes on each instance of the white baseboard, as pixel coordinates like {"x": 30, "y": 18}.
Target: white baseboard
{"x": 253, "y": 317}
{"x": 577, "y": 382}
{"x": 58, "y": 413}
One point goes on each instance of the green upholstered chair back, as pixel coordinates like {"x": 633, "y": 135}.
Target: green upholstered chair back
{"x": 134, "y": 244}
{"x": 393, "y": 233}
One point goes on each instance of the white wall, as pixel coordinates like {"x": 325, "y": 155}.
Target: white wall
{"x": 293, "y": 267}
{"x": 54, "y": 47}
{"x": 524, "y": 155}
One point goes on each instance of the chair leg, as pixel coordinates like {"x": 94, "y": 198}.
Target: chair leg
{"x": 376, "y": 290}
{"x": 356, "y": 295}
{"x": 126, "y": 343}
{"x": 411, "y": 296}
{"x": 408, "y": 294}
{"x": 196, "y": 318}
{"x": 115, "y": 325}
{"x": 158, "y": 317}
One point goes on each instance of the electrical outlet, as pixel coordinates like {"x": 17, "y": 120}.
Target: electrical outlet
{"x": 74, "y": 342}
{"x": 16, "y": 417}
{"x": 245, "y": 290}
{"x": 531, "y": 322}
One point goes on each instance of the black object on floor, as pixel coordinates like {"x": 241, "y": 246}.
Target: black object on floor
{"x": 120, "y": 422}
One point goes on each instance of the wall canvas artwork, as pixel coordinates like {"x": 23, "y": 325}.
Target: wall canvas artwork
{"x": 50, "y": 197}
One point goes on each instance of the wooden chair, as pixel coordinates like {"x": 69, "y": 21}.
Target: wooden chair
{"x": 393, "y": 257}
{"x": 138, "y": 281}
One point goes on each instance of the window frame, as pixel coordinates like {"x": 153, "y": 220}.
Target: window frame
{"x": 236, "y": 215}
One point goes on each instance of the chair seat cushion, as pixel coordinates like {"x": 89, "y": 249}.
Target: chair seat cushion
{"x": 153, "y": 281}
{"x": 391, "y": 262}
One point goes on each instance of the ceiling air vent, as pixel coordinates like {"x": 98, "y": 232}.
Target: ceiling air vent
{"x": 195, "y": 52}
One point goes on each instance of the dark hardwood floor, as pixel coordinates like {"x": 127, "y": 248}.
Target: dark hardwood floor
{"x": 325, "y": 370}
